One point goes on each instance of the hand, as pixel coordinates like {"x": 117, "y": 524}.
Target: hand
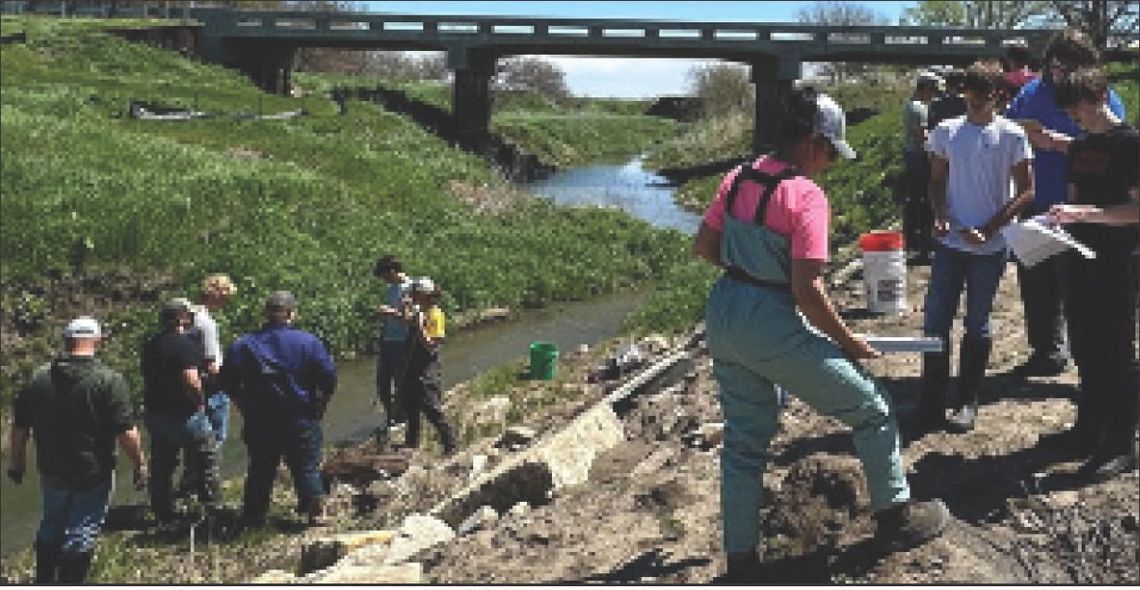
{"x": 941, "y": 226}
{"x": 142, "y": 477}
{"x": 387, "y": 310}
{"x": 1069, "y": 213}
{"x": 857, "y": 348}
{"x": 16, "y": 474}
{"x": 973, "y": 235}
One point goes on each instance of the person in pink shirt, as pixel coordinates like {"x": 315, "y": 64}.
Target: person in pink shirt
{"x": 770, "y": 323}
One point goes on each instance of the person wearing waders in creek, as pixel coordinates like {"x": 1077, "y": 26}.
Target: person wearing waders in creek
{"x": 769, "y": 321}
{"x": 421, "y": 390}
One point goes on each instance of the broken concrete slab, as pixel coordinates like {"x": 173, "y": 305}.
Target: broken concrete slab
{"x": 404, "y": 573}
{"x": 516, "y": 437}
{"x": 483, "y": 518}
{"x": 418, "y": 532}
{"x": 321, "y": 553}
{"x": 274, "y": 577}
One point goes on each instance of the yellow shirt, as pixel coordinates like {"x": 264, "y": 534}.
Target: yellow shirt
{"x": 433, "y": 323}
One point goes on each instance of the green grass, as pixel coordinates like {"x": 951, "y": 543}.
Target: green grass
{"x": 304, "y": 204}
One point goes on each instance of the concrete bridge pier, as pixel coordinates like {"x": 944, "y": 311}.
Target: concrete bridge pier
{"x": 471, "y": 96}
{"x": 270, "y": 67}
{"x": 773, "y": 77}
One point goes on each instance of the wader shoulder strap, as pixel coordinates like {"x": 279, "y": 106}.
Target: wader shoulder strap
{"x": 770, "y": 182}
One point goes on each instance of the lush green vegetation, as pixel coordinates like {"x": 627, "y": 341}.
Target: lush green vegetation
{"x": 303, "y": 203}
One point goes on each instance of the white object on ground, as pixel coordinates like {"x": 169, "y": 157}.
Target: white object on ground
{"x": 904, "y": 343}
{"x": 1034, "y": 240}
{"x": 884, "y": 281}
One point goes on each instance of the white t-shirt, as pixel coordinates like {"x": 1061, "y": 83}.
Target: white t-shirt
{"x": 980, "y": 180}
{"x": 208, "y": 327}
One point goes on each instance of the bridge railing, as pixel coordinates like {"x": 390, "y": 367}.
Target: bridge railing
{"x": 511, "y": 29}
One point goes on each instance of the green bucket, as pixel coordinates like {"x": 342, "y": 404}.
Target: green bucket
{"x": 543, "y": 357}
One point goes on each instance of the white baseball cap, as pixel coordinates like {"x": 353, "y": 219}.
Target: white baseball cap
{"x": 423, "y": 285}
{"x": 83, "y": 327}
{"x": 831, "y": 123}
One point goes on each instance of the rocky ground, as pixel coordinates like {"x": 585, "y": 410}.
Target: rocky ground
{"x": 649, "y": 512}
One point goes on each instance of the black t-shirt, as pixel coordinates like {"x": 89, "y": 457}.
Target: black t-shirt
{"x": 75, "y": 407}
{"x": 1103, "y": 167}
{"x": 164, "y": 358}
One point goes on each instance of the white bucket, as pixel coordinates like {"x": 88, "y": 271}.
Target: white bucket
{"x": 884, "y": 272}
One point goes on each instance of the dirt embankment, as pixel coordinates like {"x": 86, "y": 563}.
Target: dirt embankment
{"x": 650, "y": 510}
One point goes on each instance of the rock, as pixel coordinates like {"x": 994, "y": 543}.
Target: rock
{"x": 401, "y": 574}
{"x": 483, "y": 518}
{"x": 583, "y": 349}
{"x": 478, "y": 466}
{"x": 1062, "y": 499}
{"x": 569, "y": 453}
{"x": 321, "y": 553}
{"x": 495, "y": 313}
{"x": 1027, "y": 522}
{"x": 417, "y": 533}
{"x": 708, "y": 436}
{"x": 519, "y": 510}
{"x": 655, "y": 343}
{"x": 274, "y": 577}
{"x": 516, "y": 437}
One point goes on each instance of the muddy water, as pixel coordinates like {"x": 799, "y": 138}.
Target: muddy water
{"x": 353, "y": 415}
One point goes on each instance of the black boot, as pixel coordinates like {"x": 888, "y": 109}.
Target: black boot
{"x": 973, "y": 356}
{"x": 73, "y": 567}
{"x": 935, "y": 379}
{"x": 47, "y": 560}
{"x": 742, "y": 567}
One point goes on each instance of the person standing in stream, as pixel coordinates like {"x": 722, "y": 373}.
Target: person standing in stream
{"x": 770, "y": 323}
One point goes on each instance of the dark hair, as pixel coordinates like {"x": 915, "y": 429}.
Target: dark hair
{"x": 796, "y": 117}
{"x": 926, "y": 84}
{"x": 1087, "y": 84}
{"x": 954, "y": 80}
{"x": 1072, "y": 46}
{"x": 983, "y": 76}
{"x": 1018, "y": 54}
{"x": 387, "y": 263}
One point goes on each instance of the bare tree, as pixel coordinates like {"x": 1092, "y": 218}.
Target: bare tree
{"x": 723, "y": 89}
{"x": 841, "y": 13}
{"x": 532, "y": 74}
{"x": 1099, "y": 18}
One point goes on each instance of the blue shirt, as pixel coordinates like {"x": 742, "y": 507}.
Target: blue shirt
{"x": 394, "y": 329}
{"x": 1035, "y": 101}
{"x": 277, "y": 373}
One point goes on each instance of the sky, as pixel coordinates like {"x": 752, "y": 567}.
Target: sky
{"x": 595, "y": 76}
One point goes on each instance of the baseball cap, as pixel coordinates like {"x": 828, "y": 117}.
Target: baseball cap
{"x": 423, "y": 285}
{"x": 831, "y": 123}
{"x": 280, "y": 300}
{"x": 82, "y": 327}
{"x": 932, "y": 77}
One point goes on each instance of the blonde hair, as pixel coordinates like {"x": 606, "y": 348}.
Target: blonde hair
{"x": 219, "y": 284}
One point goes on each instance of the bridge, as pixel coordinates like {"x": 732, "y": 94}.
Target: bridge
{"x": 263, "y": 43}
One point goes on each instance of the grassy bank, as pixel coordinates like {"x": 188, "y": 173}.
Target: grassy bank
{"x": 304, "y": 204}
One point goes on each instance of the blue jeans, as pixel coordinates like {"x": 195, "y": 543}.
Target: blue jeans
{"x": 72, "y": 518}
{"x": 218, "y": 411}
{"x": 390, "y": 366}
{"x": 299, "y": 443}
{"x": 949, "y": 272}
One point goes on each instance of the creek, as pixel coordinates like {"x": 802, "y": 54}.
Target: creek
{"x": 353, "y": 414}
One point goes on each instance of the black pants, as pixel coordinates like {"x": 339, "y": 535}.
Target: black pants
{"x": 1100, "y": 305}
{"x": 1041, "y": 295}
{"x": 422, "y": 393}
{"x": 918, "y": 218}
{"x": 202, "y": 459}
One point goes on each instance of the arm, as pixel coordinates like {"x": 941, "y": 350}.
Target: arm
{"x": 193, "y": 386}
{"x": 1122, "y": 214}
{"x": 812, "y": 299}
{"x": 706, "y": 244}
{"x": 1023, "y": 188}
{"x": 939, "y": 174}
{"x": 18, "y": 443}
{"x": 131, "y": 444}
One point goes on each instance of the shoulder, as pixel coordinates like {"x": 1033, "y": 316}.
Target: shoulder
{"x": 1008, "y": 127}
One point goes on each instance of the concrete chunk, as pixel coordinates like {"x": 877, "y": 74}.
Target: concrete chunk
{"x": 404, "y": 573}
{"x": 326, "y": 551}
{"x": 417, "y": 533}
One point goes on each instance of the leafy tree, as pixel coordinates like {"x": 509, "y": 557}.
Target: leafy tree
{"x": 978, "y": 14}
{"x": 841, "y": 13}
{"x": 723, "y": 88}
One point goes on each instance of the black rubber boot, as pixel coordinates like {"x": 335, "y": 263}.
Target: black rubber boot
{"x": 47, "y": 560}
{"x": 931, "y": 412}
{"x": 973, "y": 356}
{"x": 742, "y": 567}
{"x": 73, "y": 567}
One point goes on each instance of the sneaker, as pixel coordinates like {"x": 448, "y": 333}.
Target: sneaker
{"x": 1103, "y": 467}
{"x": 910, "y": 524}
{"x": 1039, "y": 366}
{"x": 962, "y": 420}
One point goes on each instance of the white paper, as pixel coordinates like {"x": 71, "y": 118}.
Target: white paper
{"x": 1034, "y": 240}
{"x": 888, "y": 344}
